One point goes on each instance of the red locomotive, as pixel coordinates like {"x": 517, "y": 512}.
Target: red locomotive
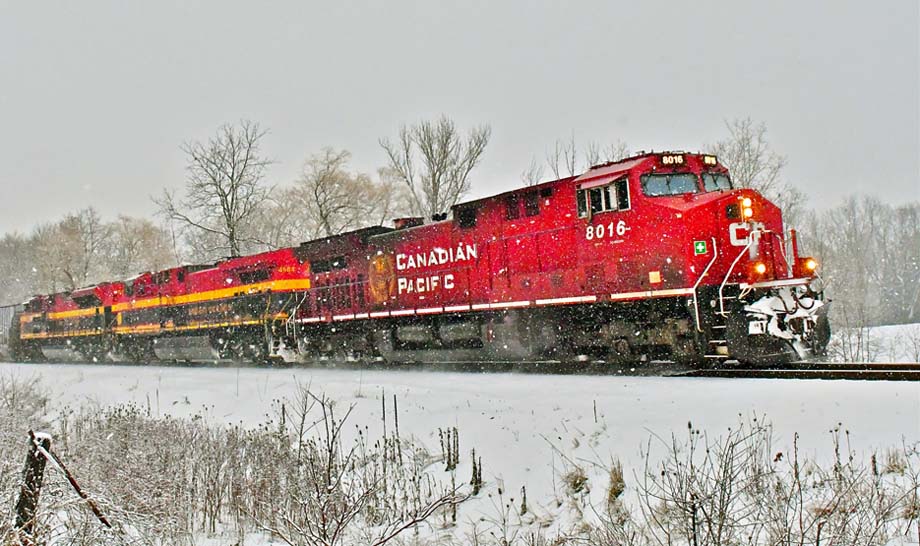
{"x": 653, "y": 257}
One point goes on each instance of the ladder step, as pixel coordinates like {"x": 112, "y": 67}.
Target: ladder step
{"x": 717, "y": 341}
{"x": 715, "y": 356}
{"x": 714, "y": 326}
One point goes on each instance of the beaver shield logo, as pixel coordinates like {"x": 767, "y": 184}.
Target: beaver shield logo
{"x": 382, "y": 275}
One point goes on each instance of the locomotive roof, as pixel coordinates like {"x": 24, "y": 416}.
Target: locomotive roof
{"x": 611, "y": 169}
{"x": 597, "y": 171}
{"x": 537, "y": 187}
{"x": 343, "y": 241}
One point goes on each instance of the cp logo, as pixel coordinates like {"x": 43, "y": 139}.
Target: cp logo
{"x": 742, "y": 233}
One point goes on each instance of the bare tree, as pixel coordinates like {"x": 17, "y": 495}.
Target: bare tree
{"x": 386, "y": 199}
{"x": 595, "y": 154}
{"x": 328, "y": 199}
{"x": 336, "y": 199}
{"x": 749, "y": 157}
{"x": 68, "y": 253}
{"x": 84, "y": 236}
{"x": 562, "y": 160}
{"x": 18, "y": 278}
{"x": 434, "y": 162}
{"x": 281, "y": 221}
{"x": 224, "y": 188}
{"x": 754, "y": 164}
{"x": 871, "y": 264}
{"x": 136, "y": 245}
{"x": 533, "y": 175}
{"x": 328, "y": 190}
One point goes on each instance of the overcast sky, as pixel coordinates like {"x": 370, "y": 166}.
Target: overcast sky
{"x": 97, "y": 97}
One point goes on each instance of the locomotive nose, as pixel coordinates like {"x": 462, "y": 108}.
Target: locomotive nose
{"x": 751, "y": 229}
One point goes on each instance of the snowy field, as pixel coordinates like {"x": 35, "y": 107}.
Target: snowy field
{"x": 520, "y": 424}
{"x": 894, "y": 343}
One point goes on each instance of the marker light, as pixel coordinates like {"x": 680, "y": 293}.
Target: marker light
{"x": 760, "y": 268}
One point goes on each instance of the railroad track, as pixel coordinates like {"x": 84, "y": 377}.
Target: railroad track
{"x": 874, "y": 371}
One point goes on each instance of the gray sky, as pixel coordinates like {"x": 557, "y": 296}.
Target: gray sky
{"x": 96, "y": 97}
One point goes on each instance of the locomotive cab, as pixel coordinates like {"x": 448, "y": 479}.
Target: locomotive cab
{"x": 674, "y": 224}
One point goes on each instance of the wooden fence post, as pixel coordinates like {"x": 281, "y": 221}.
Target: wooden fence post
{"x": 32, "y": 476}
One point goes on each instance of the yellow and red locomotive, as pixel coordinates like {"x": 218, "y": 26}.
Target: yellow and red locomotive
{"x": 653, "y": 257}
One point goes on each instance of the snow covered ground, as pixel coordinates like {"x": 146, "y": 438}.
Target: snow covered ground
{"x": 518, "y": 423}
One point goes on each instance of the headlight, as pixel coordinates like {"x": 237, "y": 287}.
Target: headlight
{"x": 805, "y": 267}
{"x": 747, "y": 208}
{"x": 760, "y": 268}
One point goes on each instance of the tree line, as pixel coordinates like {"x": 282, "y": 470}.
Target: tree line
{"x": 868, "y": 249}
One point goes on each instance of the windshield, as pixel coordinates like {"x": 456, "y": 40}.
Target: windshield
{"x": 716, "y": 181}
{"x": 654, "y": 185}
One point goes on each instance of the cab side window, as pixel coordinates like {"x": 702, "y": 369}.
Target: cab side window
{"x": 512, "y": 207}
{"x": 610, "y": 197}
{"x": 466, "y": 217}
{"x": 531, "y": 204}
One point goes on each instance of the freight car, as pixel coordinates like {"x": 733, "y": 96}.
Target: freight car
{"x": 656, "y": 256}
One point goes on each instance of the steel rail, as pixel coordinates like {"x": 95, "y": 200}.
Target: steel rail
{"x": 862, "y": 371}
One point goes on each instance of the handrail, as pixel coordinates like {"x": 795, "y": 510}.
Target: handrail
{"x": 696, "y": 304}
{"x": 729, "y": 273}
{"x": 779, "y": 237}
{"x": 290, "y": 324}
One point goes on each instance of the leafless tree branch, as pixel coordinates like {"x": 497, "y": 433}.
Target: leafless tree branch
{"x": 434, "y": 162}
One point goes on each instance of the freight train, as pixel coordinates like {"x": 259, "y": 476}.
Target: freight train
{"x": 654, "y": 257}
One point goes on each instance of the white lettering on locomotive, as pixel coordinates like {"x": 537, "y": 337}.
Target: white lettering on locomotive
{"x": 421, "y": 285}
{"x": 674, "y": 159}
{"x": 752, "y": 231}
{"x": 598, "y": 232}
{"x": 437, "y": 256}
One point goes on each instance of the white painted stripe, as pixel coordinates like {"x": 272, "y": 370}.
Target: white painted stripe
{"x": 652, "y": 294}
{"x": 774, "y": 284}
{"x": 630, "y": 295}
{"x": 525, "y": 303}
{"x": 675, "y": 292}
{"x": 506, "y": 304}
{"x": 571, "y": 299}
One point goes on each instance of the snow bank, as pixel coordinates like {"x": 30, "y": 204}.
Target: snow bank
{"x": 894, "y": 343}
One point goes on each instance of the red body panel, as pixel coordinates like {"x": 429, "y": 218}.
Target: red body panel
{"x": 546, "y": 254}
